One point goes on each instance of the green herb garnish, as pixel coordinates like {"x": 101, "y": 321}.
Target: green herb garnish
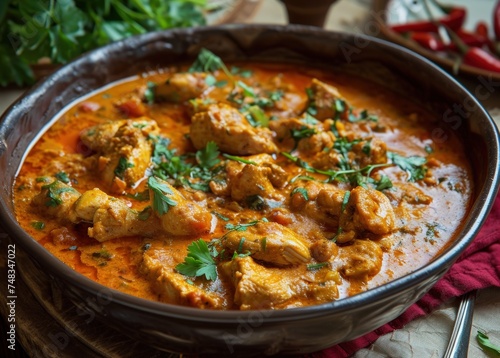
{"x": 485, "y": 343}
{"x": 161, "y": 192}
{"x": 413, "y": 166}
{"x": 198, "y": 262}
{"x": 301, "y": 191}
{"x": 38, "y": 225}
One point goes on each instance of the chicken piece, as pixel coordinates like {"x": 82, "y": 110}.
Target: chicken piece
{"x": 247, "y": 180}
{"x": 252, "y": 180}
{"x": 173, "y": 287}
{"x": 123, "y": 150}
{"x": 324, "y": 203}
{"x": 369, "y": 152}
{"x": 323, "y": 100}
{"x": 361, "y": 259}
{"x": 270, "y": 242}
{"x": 308, "y": 136}
{"x": 259, "y": 287}
{"x": 229, "y": 129}
{"x": 88, "y": 203}
{"x": 181, "y": 87}
{"x": 367, "y": 210}
{"x": 98, "y": 137}
{"x": 56, "y": 200}
{"x": 185, "y": 217}
{"x": 408, "y": 193}
{"x": 114, "y": 219}
{"x": 324, "y": 250}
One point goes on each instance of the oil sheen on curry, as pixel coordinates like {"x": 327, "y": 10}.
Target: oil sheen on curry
{"x": 248, "y": 186}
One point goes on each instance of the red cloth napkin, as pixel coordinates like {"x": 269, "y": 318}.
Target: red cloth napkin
{"x": 478, "y": 267}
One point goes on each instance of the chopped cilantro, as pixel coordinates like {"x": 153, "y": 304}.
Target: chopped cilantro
{"x": 198, "y": 262}
{"x": 345, "y": 200}
{"x": 145, "y": 213}
{"x": 239, "y": 159}
{"x": 413, "y": 166}
{"x": 38, "y": 225}
{"x": 161, "y": 192}
{"x": 54, "y": 191}
{"x": 314, "y": 267}
{"x": 149, "y": 94}
{"x": 208, "y": 156}
{"x": 122, "y": 166}
{"x": 207, "y": 61}
{"x": 301, "y": 191}
{"x": 62, "y": 176}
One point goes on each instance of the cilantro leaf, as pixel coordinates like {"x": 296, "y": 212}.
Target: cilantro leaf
{"x": 301, "y": 191}
{"x": 122, "y": 166}
{"x": 207, "y": 61}
{"x": 208, "y": 156}
{"x": 413, "y": 165}
{"x": 485, "y": 342}
{"x": 239, "y": 159}
{"x": 199, "y": 261}
{"x": 161, "y": 200}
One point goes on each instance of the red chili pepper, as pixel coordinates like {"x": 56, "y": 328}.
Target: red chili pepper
{"x": 481, "y": 29}
{"x": 428, "y": 40}
{"x": 496, "y": 20}
{"x": 480, "y": 58}
{"x": 475, "y": 56}
{"x": 454, "y": 20}
{"x": 472, "y": 39}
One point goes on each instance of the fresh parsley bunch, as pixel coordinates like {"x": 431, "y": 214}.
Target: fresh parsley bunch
{"x": 59, "y": 30}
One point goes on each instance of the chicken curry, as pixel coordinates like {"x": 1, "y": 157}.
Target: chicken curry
{"x": 243, "y": 186}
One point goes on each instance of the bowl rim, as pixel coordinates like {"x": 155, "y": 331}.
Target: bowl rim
{"x": 479, "y": 209}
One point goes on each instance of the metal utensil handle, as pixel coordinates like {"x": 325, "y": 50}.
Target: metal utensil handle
{"x": 458, "y": 346}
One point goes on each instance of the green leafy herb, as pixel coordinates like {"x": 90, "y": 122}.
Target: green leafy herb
{"x": 62, "y": 176}
{"x": 38, "y": 225}
{"x": 102, "y": 254}
{"x": 263, "y": 244}
{"x": 60, "y": 30}
{"x": 428, "y": 149}
{"x": 122, "y": 166}
{"x": 238, "y": 159}
{"x": 72, "y": 248}
{"x": 243, "y": 227}
{"x": 301, "y": 191}
{"x": 54, "y": 191}
{"x": 220, "y": 216}
{"x": 208, "y": 157}
{"x": 485, "y": 343}
{"x": 303, "y": 132}
{"x": 207, "y": 61}
{"x": 146, "y": 246}
{"x": 345, "y": 200}
{"x": 42, "y": 179}
{"x": 314, "y": 267}
{"x": 161, "y": 192}
{"x": 259, "y": 117}
{"x": 140, "y": 196}
{"x": 241, "y": 72}
{"x": 198, "y": 262}
{"x": 413, "y": 166}
{"x": 149, "y": 94}
{"x": 145, "y": 213}
{"x": 383, "y": 183}
{"x": 182, "y": 168}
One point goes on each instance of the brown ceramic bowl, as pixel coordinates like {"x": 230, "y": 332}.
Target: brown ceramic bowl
{"x": 185, "y": 329}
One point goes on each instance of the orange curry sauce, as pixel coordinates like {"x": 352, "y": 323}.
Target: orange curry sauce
{"x": 326, "y": 245}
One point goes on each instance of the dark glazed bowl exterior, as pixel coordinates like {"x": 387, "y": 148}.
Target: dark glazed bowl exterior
{"x": 184, "y": 329}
